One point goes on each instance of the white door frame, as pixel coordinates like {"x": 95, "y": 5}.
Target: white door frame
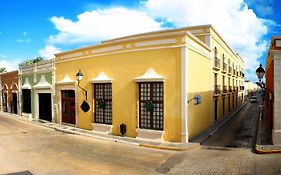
{"x": 36, "y": 101}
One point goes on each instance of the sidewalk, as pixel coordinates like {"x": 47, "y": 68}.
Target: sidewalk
{"x": 195, "y": 142}
{"x": 111, "y": 138}
{"x": 264, "y": 141}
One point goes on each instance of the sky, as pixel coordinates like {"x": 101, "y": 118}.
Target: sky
{"x": 32, "y": 28}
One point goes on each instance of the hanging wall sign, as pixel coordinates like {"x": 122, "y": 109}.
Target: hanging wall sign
{"x": 85, "y": 106}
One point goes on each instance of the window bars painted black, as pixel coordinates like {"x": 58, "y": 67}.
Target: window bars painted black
{"x": 151, "y": 109}
{"x": 103, "y": 103}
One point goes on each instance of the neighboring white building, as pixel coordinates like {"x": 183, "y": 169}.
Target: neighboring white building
{"x": 249, "y": 88}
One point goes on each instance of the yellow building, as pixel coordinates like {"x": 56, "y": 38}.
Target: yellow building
{"x": 161, "y": 85}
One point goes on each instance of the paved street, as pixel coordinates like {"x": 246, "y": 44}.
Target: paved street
{"x": 239, "y": 131}
{"x": 39, "y": 150}
{"x": 228, "y": 151}
{"x": 27, "y": 148}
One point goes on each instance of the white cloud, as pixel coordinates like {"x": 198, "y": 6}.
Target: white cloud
{"x": 233, "y": 19}
{"x": 102, "y": 24}
{"x": 49, "y": 51}
{"x": 28, "y": 40}
{"x": 237, "y": 24}
{"x": 10, "y": 65}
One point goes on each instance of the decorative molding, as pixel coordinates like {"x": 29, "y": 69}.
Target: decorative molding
{"x": 102, "y": 78}
{"x": 42, "y": 66}
{"x": 26, "y": 84}
{"x": 276, "y": 54}
{"x": 196, "y": 47}
{"x": 278, "y": 43}
{"x": 120, "y": 52}
{"x": 66, "y": 80}
{"x": 42, "y": 83}
{"x": 106, "y": 49}
{"x": 196, "y": 31}
{"x": 156, "y": 42}
{"x": 149, "y": 76}
{"x": 71, "y": 55}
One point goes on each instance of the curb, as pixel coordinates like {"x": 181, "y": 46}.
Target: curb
{"x": 112, "y": 138}
{"x": 261, "y": 149}
{"x": 169, "y": 148}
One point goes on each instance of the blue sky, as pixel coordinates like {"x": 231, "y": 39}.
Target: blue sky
{"x": 31, "y": 28}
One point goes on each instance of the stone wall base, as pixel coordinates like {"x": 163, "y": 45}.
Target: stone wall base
{"x": 276, "y": 137}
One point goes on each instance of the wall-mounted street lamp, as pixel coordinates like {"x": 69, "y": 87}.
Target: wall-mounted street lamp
{"x": 197, "y": 100}
{"x": 84, "y": 106}
{"x": 79, "y": 77}
{"x": 260, "y": 72}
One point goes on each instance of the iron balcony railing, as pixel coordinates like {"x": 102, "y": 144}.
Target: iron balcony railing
{"x": 229, "y": 89}
{"x": 229, "y": 70}
{"x": 217, "y": 89}
{"x": 217, "y": 62}
{"x": 224, "y": 90}
{"x": 224, "y": 67}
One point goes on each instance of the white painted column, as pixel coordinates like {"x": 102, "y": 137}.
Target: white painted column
{"x": 184, "y": 93}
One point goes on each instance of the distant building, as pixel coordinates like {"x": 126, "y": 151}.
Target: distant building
{"x": 249, "y": 88}
{"x": 168, "y": 85}
{"x": 273, "y": 84}
{"x": 37, "y": 90}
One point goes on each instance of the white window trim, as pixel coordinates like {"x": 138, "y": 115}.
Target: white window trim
{"x": 150, "y": 76}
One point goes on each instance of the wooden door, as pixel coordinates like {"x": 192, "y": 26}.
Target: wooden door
{"x": 5, "y": 102}
{"x": 68, "y": 106}
{"x": 45, "y": 106}
{"x": 14, "y": 103}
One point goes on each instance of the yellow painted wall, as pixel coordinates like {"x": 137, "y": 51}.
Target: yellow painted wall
{"x": 129, "y": 62}
{"x": 123, "y": 68}
{"x": 199, "y": 83}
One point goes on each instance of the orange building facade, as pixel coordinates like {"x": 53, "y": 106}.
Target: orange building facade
{"x": 9, "y": 94}
{"x": 273, "y": 89}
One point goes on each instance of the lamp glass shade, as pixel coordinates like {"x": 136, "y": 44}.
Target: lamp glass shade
{"x": 79, "y": 76}
{"x": 260, "y": 72}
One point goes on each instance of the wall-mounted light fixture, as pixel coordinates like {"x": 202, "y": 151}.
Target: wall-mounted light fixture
{"x": 197, "y": 99}
{"x": 84, "y": 106}
{"x": 260, "y": 72}
{"x": 79, "y": 77}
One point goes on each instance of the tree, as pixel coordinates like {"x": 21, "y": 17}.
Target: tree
{"x": 31, "y": 61}
{"x": 3, "y": 69}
